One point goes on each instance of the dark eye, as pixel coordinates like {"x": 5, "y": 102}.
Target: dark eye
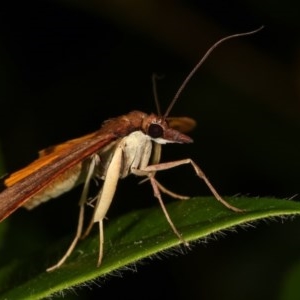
{"x": 155, "y": 131}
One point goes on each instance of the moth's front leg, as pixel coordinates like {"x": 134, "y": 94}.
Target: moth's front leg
{"x": 156, "y": 190}
{"x": 173, "y": 164}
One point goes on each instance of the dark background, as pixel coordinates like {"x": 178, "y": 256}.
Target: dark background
{"x": 67, "y": 66}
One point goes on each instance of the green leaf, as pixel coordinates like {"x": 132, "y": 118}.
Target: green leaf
{"x": 130, "y": 238}
{"x": 290, "y": 288}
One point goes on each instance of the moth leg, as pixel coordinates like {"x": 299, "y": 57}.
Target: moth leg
{"x": 82, "y": 202}
{"x": 105, "y": 197}
{"x": 157, "y": 194}
{"x": 170, "y": 193}
{"x": 165, "y": 190}
{"x": 200, "y": 174}
{"x": 156, "y": 186}
{"x": 101, "y": 243}
{"x": 107, "y": 194}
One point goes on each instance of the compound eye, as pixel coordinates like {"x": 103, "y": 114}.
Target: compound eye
{"x": 155, "y": 131}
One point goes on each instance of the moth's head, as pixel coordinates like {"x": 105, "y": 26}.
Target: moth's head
{"x": 160, "y": 128}
{"x": 161, "y": 131}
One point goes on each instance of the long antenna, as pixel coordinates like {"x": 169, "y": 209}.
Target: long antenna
{"x": 200, "y": 63}
{"x": 155, "y": 94}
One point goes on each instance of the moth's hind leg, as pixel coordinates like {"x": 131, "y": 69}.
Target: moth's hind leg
{"x": 82, "y": 202}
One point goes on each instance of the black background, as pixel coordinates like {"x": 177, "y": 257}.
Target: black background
{"x": 65, "y": 67}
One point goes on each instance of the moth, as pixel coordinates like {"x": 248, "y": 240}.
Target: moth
{"x": 129, "y": 144}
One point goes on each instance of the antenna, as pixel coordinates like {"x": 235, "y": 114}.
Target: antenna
{"x": 155, "y": 94}
{"x": 200, "y": 63}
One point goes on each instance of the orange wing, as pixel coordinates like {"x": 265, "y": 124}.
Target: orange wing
{"x": 53, "y": 161}
{"x": 46, "y": 157}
